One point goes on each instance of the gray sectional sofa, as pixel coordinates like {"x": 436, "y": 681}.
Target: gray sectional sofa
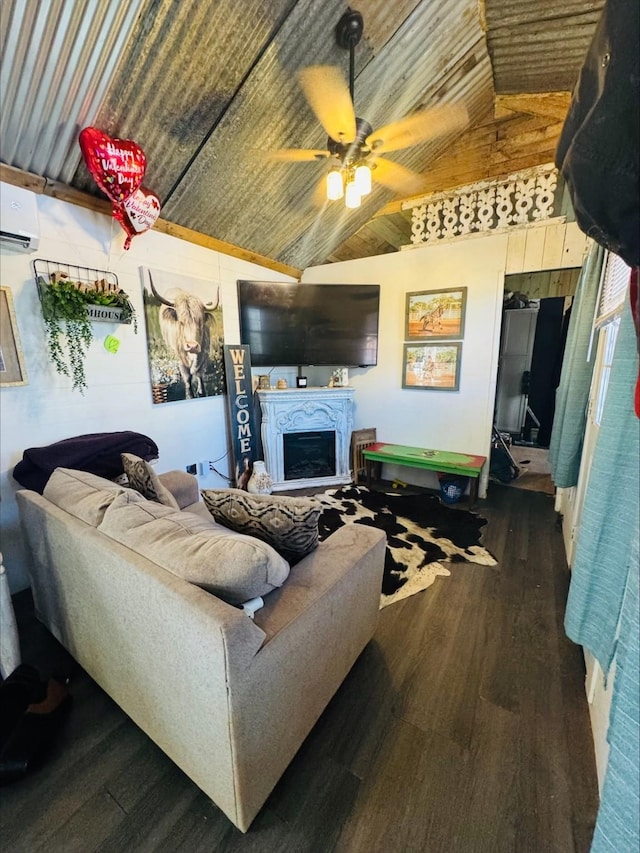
{"x": 229, "y": 699}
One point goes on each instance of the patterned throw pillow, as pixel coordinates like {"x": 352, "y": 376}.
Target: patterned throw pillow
{"x": 290, "y": 525}
{"x": 144, "y": 479}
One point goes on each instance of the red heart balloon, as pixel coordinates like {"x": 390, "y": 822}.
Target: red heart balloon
{"x": 117, "y": 165}
{"x": 138, "y": 213}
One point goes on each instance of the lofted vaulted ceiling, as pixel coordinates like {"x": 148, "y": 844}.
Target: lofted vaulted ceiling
{"x": 205, "y": 87}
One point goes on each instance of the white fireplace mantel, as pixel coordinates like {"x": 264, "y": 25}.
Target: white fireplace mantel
{"x": 306, "y": 410}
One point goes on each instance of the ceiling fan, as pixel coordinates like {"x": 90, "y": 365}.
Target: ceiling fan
{"x": 353, "y": 147}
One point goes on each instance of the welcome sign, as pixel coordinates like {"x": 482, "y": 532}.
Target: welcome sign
{"x": 237, "y": 363}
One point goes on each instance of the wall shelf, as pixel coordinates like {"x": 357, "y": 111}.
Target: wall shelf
{"x": 85, "y": 279}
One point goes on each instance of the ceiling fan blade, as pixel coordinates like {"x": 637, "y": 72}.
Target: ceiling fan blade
{"x": 295, "y": 155}
{"x": 328, "y": 95}
{"x": 396, "y": 177}
{"x": 419, "y": 127}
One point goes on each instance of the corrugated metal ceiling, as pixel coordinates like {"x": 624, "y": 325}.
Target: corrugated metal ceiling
{"x": 285, "y": 191}
{"x": 539, "y": 46}
{"x": 58, "y": 60}
{"x": 205, "y": 87}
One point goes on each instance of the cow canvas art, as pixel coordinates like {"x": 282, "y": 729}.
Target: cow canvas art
{"x": 185, "y": 336}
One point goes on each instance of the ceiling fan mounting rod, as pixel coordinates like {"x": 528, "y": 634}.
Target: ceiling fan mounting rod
{"x": 351, "y": 178}
{"x": 348, "y": 34}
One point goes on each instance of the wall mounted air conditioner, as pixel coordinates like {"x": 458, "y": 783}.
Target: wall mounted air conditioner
{"x": 19, "y": 224}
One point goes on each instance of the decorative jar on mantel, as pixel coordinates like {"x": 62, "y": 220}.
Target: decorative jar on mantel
{"x": 260, "y": 482}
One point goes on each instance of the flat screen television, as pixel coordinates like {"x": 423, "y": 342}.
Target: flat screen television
{"x": 289, "y": 324}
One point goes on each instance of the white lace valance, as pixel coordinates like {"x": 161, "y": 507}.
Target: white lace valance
{"x": 520, "y": 199}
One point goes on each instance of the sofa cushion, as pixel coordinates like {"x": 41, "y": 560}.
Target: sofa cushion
{"x": 289, "y": 524}
{"x": 144, "y": 479}
{"x": 83, "y": 495}
{"x": 233, "y": 567}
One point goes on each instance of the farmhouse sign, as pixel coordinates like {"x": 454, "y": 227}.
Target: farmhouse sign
{"x": 237, "y": 363}
{"x": 104, "y": 313}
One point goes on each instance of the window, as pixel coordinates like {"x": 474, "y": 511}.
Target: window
{"x": 613, "y": 290}
{"x": 610, "y": 335}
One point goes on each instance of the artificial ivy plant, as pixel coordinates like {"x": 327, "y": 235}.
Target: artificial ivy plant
{"x": 64, "y": 308}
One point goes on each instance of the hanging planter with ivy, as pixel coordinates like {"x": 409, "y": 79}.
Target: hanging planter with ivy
{"x": 70, "y": 306}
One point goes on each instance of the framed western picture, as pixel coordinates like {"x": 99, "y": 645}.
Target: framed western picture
{"x": 435, "y": 314}
{"x": 12, "y": 369}
{"x": 432, "y": 367}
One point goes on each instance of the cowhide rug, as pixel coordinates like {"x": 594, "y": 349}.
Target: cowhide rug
{"x": 422, "y": 532}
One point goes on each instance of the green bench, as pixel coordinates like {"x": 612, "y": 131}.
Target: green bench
{"x": 464, "y": 464}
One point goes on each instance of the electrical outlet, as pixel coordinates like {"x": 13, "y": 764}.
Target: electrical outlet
{"x": 191, "y": 469}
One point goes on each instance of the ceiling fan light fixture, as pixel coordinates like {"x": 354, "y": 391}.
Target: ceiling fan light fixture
{"x": 335, "y": 188}
{"x": 362, "y": 178}
{"x": 351, "y": 195}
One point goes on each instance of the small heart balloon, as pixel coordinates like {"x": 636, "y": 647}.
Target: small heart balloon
{"x": 138, "y": 213}
{"x": 117, "y": 165}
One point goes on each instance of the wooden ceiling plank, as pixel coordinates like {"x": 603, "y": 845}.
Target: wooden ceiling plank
{"x": 370, "y": 241}
{"x": 517, "y": 164}
{"x": 225, "y": 248}
{"x": 528, "y": 14}
{"x": 553, "y": 105}
{"x": 531, "y": 140}
{"x": 389, "y": 208}
{"x": 385, "y": 228}
{"x": 62, "y": 192}
{"x": 521, "y": 124}
{"x": 18, "y": 178}
{"x": 525, "y": 29}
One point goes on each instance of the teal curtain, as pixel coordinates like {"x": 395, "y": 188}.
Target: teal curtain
{"x": 609, "y": 519}
{"x": 619, "y": 815}
{"x": 602, "y": 608}
{"x": 565, "y": 448}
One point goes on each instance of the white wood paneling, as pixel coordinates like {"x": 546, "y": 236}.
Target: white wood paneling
{"x": 599, "y": 695}
{"x": 534, "y": 248}
{"x": 553, "y": 245}
{"x": 459, "y": 421}
{"x": 119, "y": 397}
{"x": 575, "y": 246}
{"x": 515, "y": 252}
{"x": 119, "y": 392}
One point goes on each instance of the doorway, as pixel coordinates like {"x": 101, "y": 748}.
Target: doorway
{"x": 535, "y": 319}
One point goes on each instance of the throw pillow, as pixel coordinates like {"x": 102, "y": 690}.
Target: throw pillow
{"x": 233, "y": 567}
{"x": 288, "y": 524}
{"x": 144, "y": 479}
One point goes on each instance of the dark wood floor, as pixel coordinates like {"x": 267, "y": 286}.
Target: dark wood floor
{"x": 462, "y": 728}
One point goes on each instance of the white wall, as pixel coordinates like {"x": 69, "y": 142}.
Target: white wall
{"x": 119, "y": 395}
{"x": 456, "y": 421}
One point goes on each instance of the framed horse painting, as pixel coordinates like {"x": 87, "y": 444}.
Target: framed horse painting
{"x": 432, "y": 367}
{"x": 435, "y": 314}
